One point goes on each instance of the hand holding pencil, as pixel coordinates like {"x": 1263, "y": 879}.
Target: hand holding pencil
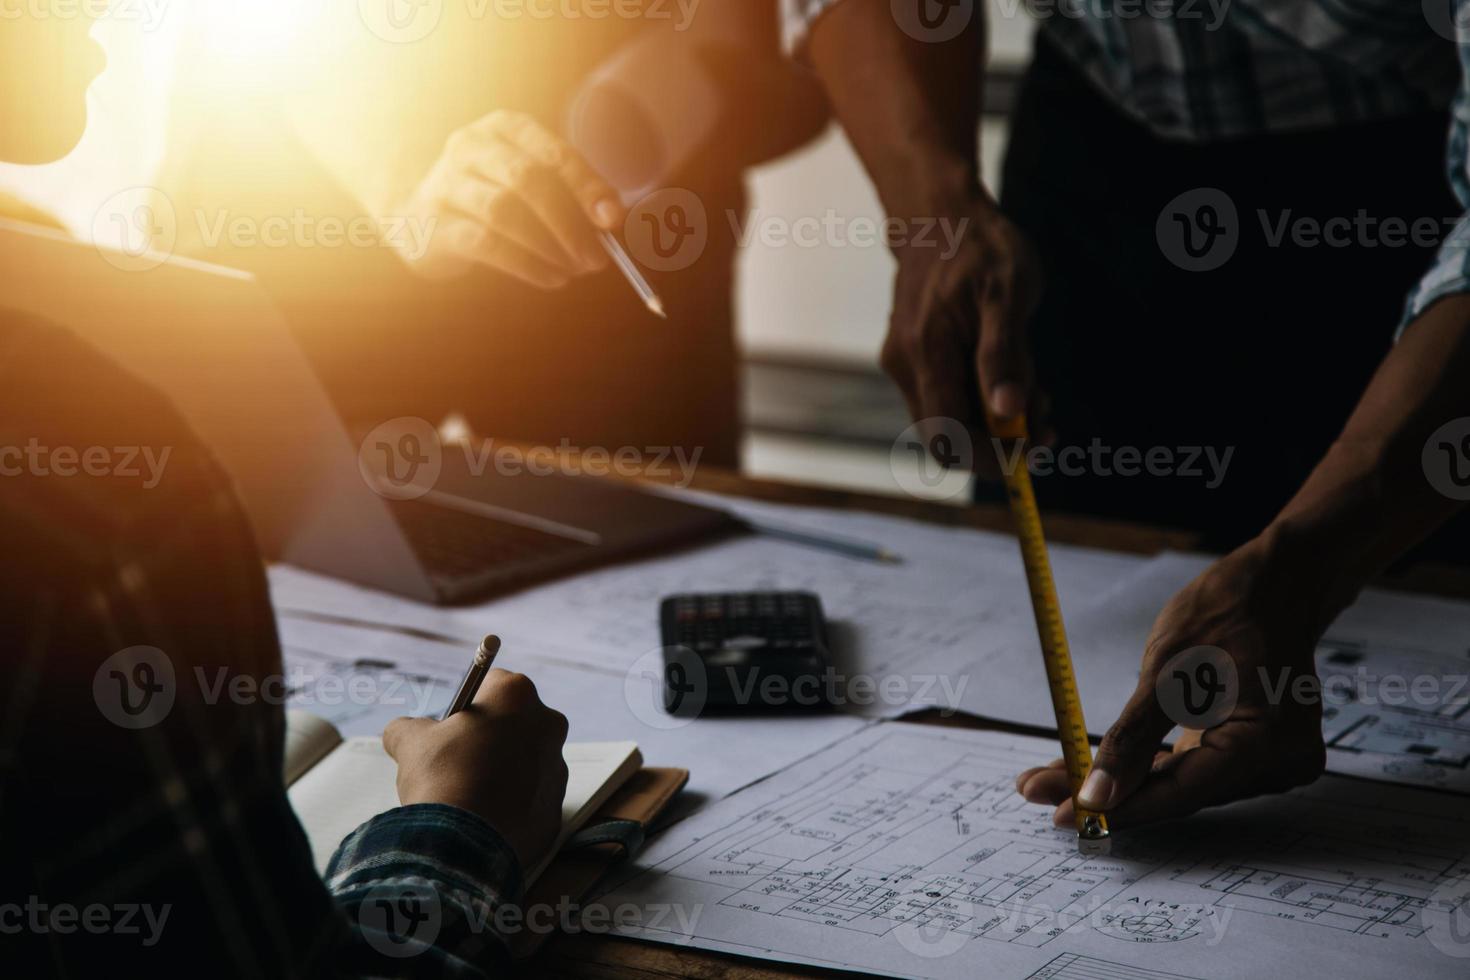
{"x": 502, "y": 761}
{"x": 508, "y": 194}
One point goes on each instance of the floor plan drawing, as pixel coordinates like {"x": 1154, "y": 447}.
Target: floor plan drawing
{"x": 1397, "y": 714}
{"x": 869, "y": 847}
{"x": 906, "y": 850}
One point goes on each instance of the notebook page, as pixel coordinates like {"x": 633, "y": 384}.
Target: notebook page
{"x": 308, "y": 740}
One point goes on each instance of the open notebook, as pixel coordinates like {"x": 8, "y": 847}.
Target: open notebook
{"x": 336, "y": 784}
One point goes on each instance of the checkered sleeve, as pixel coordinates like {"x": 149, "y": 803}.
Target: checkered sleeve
{"x": 1450, "y": 273}
{"x": 429, "y": 881}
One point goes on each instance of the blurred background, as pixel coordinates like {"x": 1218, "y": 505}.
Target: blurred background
{"x": 189, "y": 110}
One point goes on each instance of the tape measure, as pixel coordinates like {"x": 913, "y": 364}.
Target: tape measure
{"x": 1092, "y": 827}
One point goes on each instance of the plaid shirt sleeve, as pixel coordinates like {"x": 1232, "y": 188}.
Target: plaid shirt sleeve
{"x": 1450, "y": 273}
{"x": 427, "y": 882}
{"x": 144, "y": 825}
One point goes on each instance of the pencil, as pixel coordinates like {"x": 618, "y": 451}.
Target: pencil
{"x": 479, "y": 667}
{"x": 630, "y": 272}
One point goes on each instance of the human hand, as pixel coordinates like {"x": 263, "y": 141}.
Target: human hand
{"x": 958, "y": 328}
{"x": 508, "y": 194}
{"x": 1252, "y": 608}
{"x": 500, "y": 758}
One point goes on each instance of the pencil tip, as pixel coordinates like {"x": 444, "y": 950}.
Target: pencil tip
{"x": 657, "y": 308}
{"x": 889, "y": 557}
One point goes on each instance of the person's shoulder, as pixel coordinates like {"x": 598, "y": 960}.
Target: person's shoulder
{"x": 53, "y": 383}
{"x": 86, "y": 443}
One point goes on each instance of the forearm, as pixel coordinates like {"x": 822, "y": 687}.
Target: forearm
{"x": 911, "y": 108}
{"x": 1370, "y": 499}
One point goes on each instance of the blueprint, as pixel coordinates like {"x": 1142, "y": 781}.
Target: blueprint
{"x": 1395, "y": 672}
{"x": 906, "y": 851}
{"x": 1379, "y": 726}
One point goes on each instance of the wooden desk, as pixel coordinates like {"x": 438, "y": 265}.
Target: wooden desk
{"x": 601, "y": 956}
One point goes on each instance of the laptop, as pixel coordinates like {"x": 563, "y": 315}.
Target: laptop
{"x": 211, "y": 339}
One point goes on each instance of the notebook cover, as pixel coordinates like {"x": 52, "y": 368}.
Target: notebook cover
{"x": 573, "y": 874}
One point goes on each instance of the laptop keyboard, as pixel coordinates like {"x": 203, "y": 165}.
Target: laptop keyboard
{"x": 456, "y": 545}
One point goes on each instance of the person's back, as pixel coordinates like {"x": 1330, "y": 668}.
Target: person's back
{"x": 111, "y": 750}
{"x": 144, "y": 823}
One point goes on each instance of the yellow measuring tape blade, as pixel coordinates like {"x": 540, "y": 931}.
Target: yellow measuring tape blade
{"x": 1092, "y": 827}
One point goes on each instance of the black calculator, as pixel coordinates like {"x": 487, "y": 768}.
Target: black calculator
{"x": 737, "y": 651}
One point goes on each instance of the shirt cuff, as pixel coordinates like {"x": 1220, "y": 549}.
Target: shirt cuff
{"x": 797, "y": 18}
{"x": 446, "y": 871}
{"x": 1449, "y": 276}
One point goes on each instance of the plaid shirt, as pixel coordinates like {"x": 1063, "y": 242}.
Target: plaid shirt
{"x": 144, "y": 826}
{"x": 1203, "y": 70}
